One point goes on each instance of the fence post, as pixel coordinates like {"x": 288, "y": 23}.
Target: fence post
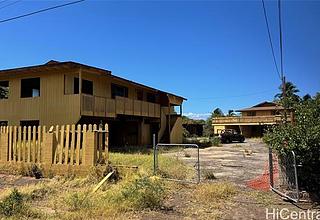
{"x": 271, "y": 167}
{"x": 154, "y": 154}
{"x": 47, "y": 148}
{"x": 4, "y": 142}
{"x": 106, "y": 143}
{"x": 90, "y": 155}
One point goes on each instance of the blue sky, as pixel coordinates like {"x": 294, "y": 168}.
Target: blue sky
{"x": 214, "y": 53}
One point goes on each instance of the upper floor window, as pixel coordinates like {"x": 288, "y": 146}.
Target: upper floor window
{"x": 4, "y": 89}
{"x": 251, "y": 113}
{"x": 151, "y": 97}
{"x": 140, "y": 94}
{"x": 30, "y": 87}
{"x": 117, "y": 90}
{"x": 86, "y": 88}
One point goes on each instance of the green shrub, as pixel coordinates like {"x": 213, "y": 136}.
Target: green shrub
{"x": 12, "y": 204}
{"x": 77, "y": 201}
{"x": 216, "y": 141}
{"x": 302, "y": 137}
{"x": 208, "y": 175}
{"x": 144, "y": 192}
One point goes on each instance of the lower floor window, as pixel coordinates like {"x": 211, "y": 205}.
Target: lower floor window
{"x": 29, "y": 123}
{"x": 3, "y": 123}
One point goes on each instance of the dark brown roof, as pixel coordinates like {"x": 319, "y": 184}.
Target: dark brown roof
{"x": 263, "y": 106}
{"x": 53, "y": 64}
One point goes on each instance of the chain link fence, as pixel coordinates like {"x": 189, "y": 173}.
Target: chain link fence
{"x": 284, "y": 174}
{"x": 170, "y": 162}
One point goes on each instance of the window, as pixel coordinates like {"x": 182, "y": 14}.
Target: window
{"x": 4, "y": 89}
{"x": 117, "y": 90}
{"x": 29, "y": 123}
{"x": 140, "y": 95}
{"x": 251, "y": 113}
{"x": 87, "y": 86}
{"x": 3, "y": 123}
{"x": 30, "y": 87}
{"x": 151, "y": 97}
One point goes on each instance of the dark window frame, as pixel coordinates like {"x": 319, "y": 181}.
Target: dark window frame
{"x": 28, "y": 86}
{"x": 5, "y": 85}
{"x": 151, "y": 97}
{"x": 86, "y": 88}
{"x": 118, "y": 90}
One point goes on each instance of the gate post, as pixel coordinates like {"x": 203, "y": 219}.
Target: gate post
{"x": 90, "y": 155}
{"x": 47, "y": 146}
{"x": 4, "y": 143}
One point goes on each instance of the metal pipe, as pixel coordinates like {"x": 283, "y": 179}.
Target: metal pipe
{"x": 296, "y": 174}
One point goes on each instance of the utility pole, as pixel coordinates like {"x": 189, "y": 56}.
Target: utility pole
{"x": 283, "y": 78}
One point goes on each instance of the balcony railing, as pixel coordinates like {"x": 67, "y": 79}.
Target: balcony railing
{"x": 107, "y": 107}
{"x": 268, "y": 119}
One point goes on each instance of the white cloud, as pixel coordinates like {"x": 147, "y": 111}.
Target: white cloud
{"x": 197, "y": 116}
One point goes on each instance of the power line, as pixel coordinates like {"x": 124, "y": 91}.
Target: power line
{"x": 235, "y": 96}
{"x": 3, "y": 1}
{"x": 12, "y": 3}
{"x": 280, "y": 38}
{"x": 270, "y": 39}
{"x": 40, "y": 11}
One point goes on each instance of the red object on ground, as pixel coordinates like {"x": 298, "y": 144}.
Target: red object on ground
{"x": 262, "y": 182}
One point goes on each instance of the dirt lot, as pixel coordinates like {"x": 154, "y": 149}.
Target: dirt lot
{"x": 232, "y": 164}
{"x": 235, "y": 162}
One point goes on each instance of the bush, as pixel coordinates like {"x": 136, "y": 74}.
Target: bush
{"x": 216, "y": 141}
{"x": 144, "y": 192}
{"x": 214, "y": 192}
{"x": 302, "y": 137}
{"x": 12, "y": 204}
{"x": 32, "y": 171}
{"x": 77, "y": 201}
{"x": 208, "y": 175}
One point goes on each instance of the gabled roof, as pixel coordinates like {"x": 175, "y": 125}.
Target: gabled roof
{"x": 57, "y": 65}
{"x": 263, "y": 106}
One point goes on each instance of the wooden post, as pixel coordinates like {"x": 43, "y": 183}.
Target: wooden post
{"x": 90, "y": 153}
{"x": 169, "y": 122}
{"x": 106, "y": 143}
{"x": 47, "y": 148}
{"x": 4, "y": 143}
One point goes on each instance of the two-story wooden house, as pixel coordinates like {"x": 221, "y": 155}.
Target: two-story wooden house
{"x": 58, "y": 93}
{"x": 252, "y": 121}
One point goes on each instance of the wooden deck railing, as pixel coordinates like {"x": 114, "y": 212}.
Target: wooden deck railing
{"x": 107, "y": 107}
{"x": 269, "y": 119}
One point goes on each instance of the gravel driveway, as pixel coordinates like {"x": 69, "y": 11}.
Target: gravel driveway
{"x": 235, "y": 162}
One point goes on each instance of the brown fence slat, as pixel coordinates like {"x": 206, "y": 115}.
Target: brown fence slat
{"x": 66, "y": 152}
{"x": 61, "y": 144}
{"x": 10, "y": 144}
{"x": 34, "y": 143}
{"x": 24, "y": 137}
{"x": 57, "y": 146}
{"x": 73, "y": 128}
{"x": 39, "y": 145}
{"x": 78, "y": 144}
{"x": 19, "y": 143}
{"x": 29, "y": 144}
{"x": 15, "y": 143}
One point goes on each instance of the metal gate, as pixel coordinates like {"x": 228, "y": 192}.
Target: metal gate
{"x": 169, "y": 153}
{"x": 284, "y": 175}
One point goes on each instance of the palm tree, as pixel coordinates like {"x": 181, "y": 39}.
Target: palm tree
{"x": 306, "y": 97}
{"x": 291, "y": 91}
{"x": 217, "y": 113}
